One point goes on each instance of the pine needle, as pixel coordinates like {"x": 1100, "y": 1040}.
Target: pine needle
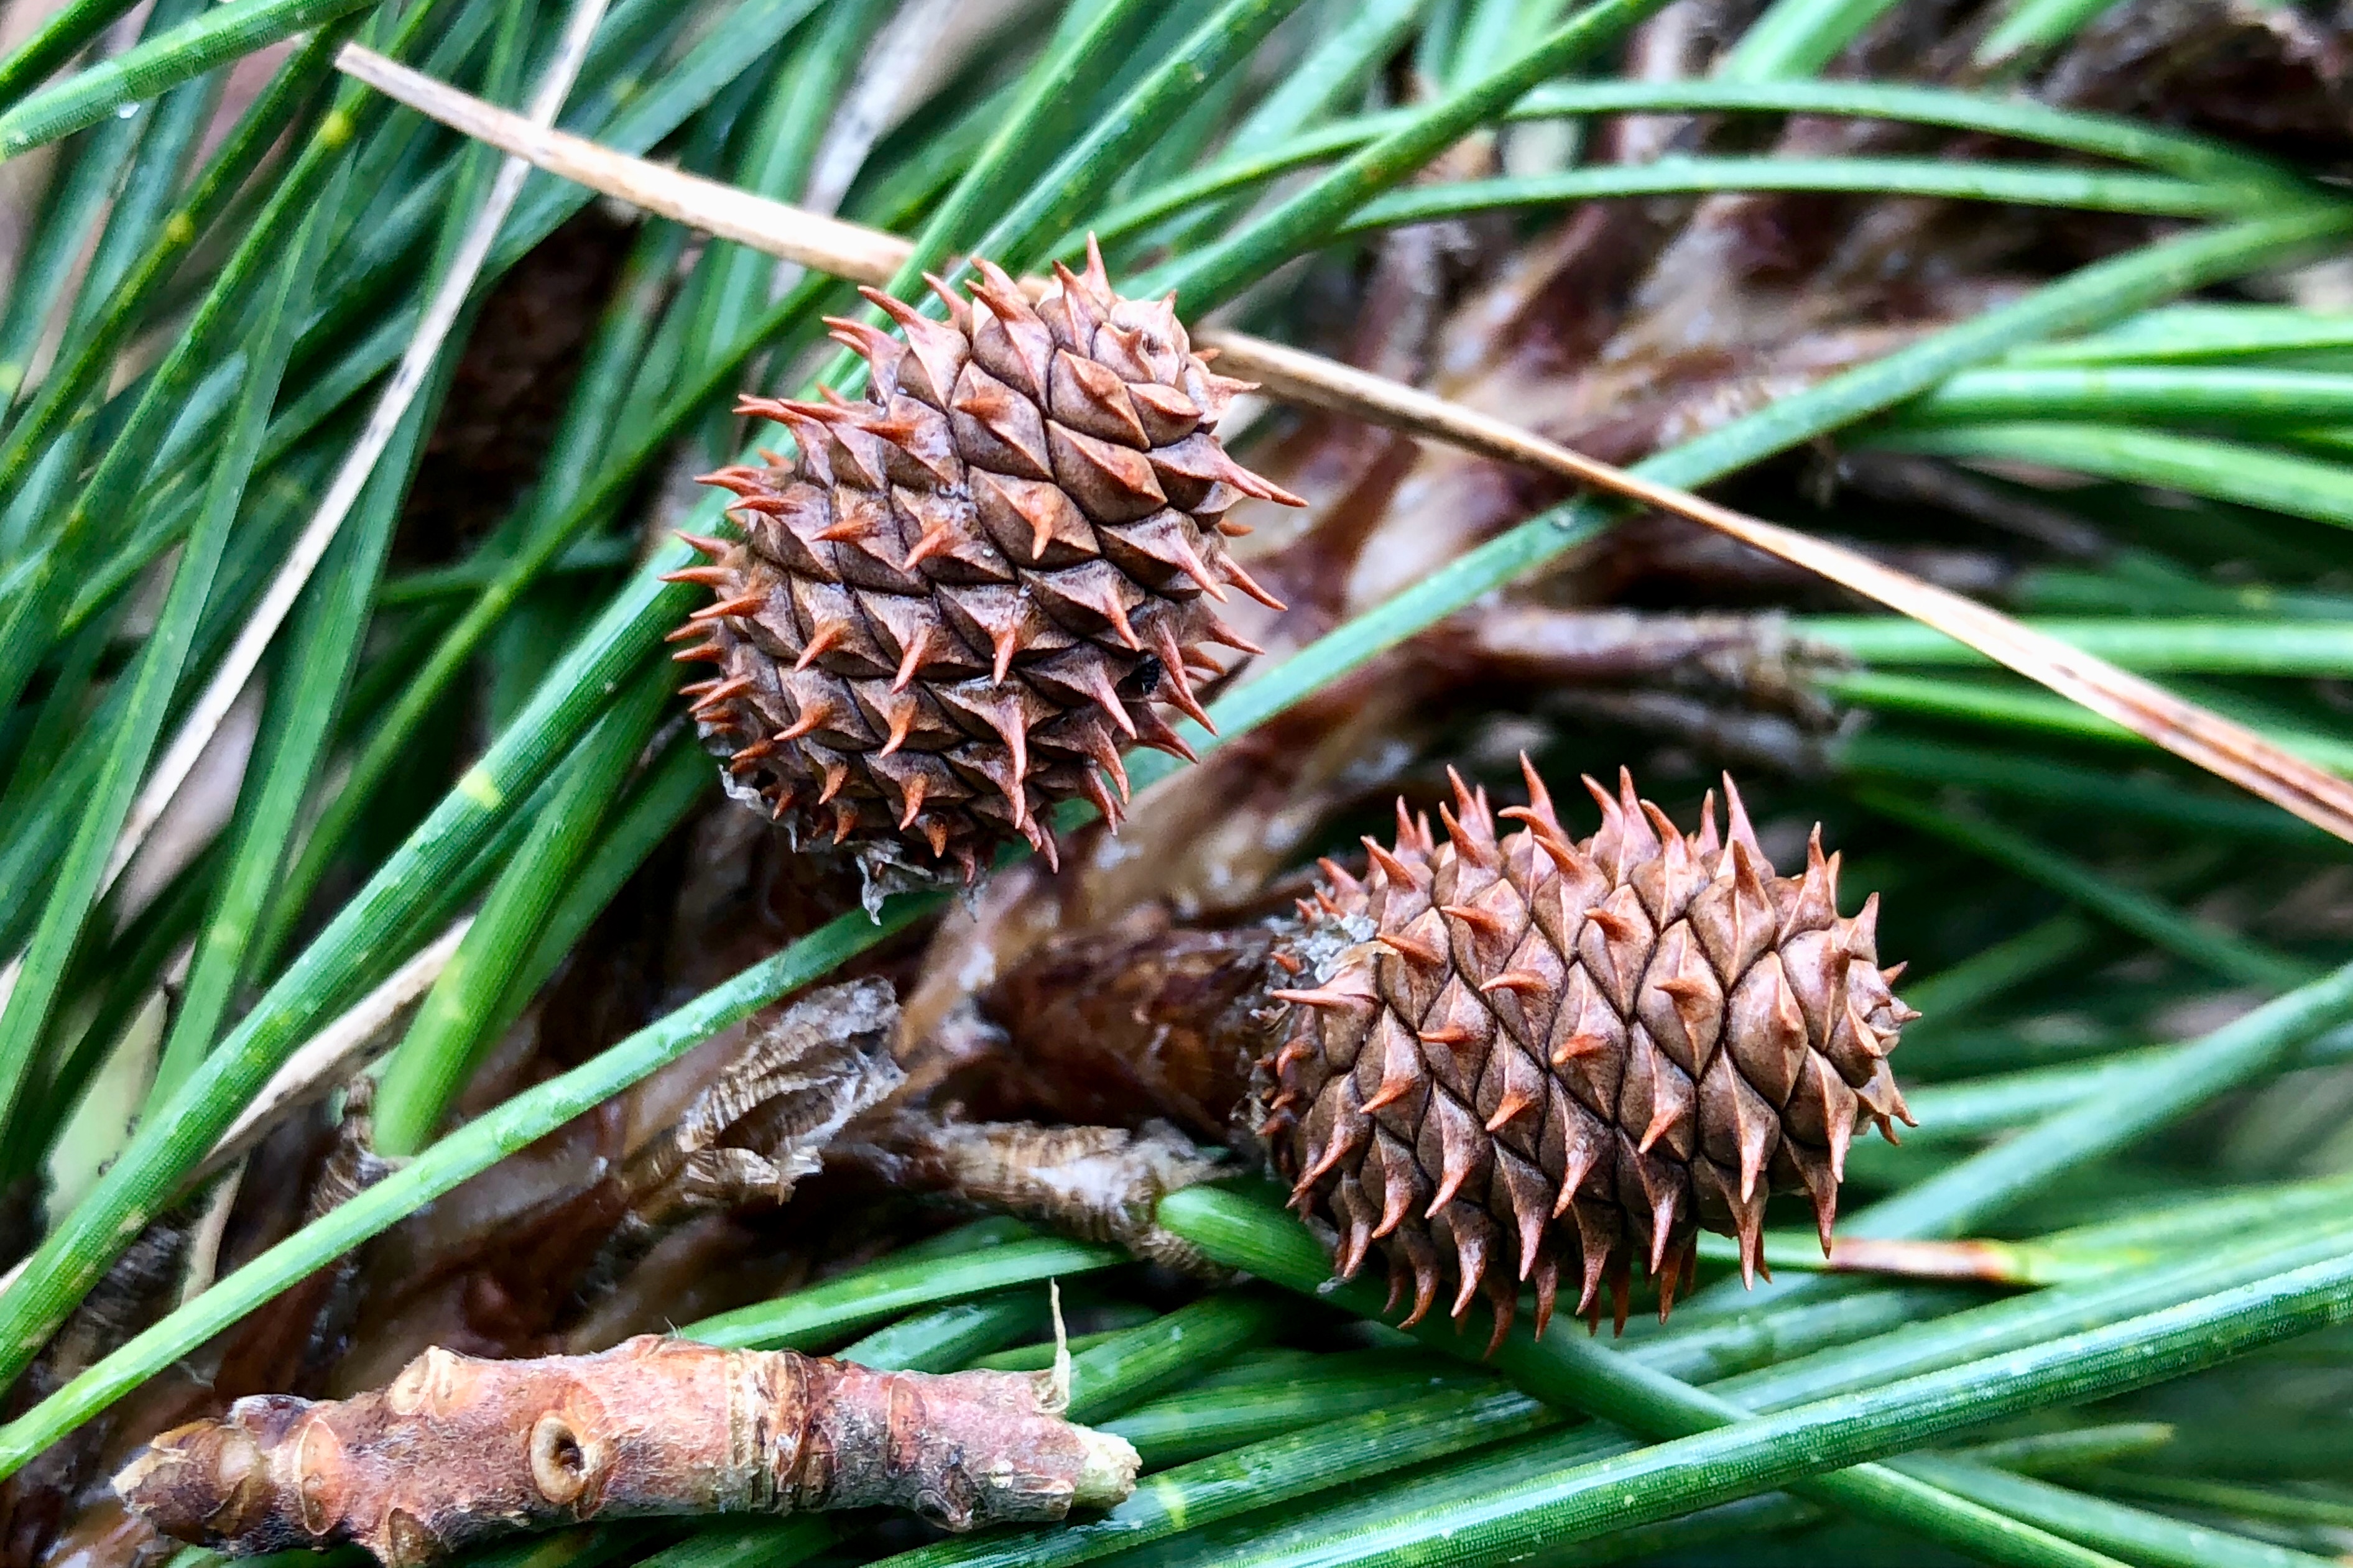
{"x": 2196, "y": 733}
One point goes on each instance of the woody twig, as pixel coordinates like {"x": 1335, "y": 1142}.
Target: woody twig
{"x": 457, "y": 1450}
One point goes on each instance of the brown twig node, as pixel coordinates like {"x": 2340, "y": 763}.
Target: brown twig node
{"x": 456, "y": 1450}
{"x": 1103, "y": 1183}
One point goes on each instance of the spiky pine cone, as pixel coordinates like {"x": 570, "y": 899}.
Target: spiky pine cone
{"x": 949, "y": 611}
{"x": 1502, "y": 1059}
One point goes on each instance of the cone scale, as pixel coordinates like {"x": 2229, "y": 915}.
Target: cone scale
{"x": 1523, "y": 1059}
{"x": 965, "y": 594}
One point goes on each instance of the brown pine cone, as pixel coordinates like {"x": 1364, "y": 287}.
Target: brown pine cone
{"x": 966, "y": 591}
{"x": 1505, "y": 1057}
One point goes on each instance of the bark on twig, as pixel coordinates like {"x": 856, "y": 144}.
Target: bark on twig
{"x": 1910, "y": 480}
{"x": 39, "y": 1499}
{"x": 1100, "y": 1183}
{"x": 765, "y": 1119}
{"x": 352, "y": 1167}
{"x": 1754, "y": 657}
{"x": 508, "y": 1267}
{"x": 763, "y": 1123}
{"x": 1140, "y": 1017}
{"x": 456, "y": 1450}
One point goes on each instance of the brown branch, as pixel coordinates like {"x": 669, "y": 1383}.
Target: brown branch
{"x": 1099, "y": 1183}
{"x": 765, "y": 1120}
{"x": 2195, "y": 733}
{"x": 456, "y": 1450}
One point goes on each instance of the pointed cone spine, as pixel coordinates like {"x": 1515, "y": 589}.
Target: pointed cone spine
{"x": 1610, "y": 1189}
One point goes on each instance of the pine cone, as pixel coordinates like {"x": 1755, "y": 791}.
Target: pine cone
{"x": 1555, "y": 1054}
{"x": 949, "y": 611}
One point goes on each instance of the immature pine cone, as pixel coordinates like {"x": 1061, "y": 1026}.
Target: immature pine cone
{"x": 1570, "y": 1052}
{"x": 953, "y": 607}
